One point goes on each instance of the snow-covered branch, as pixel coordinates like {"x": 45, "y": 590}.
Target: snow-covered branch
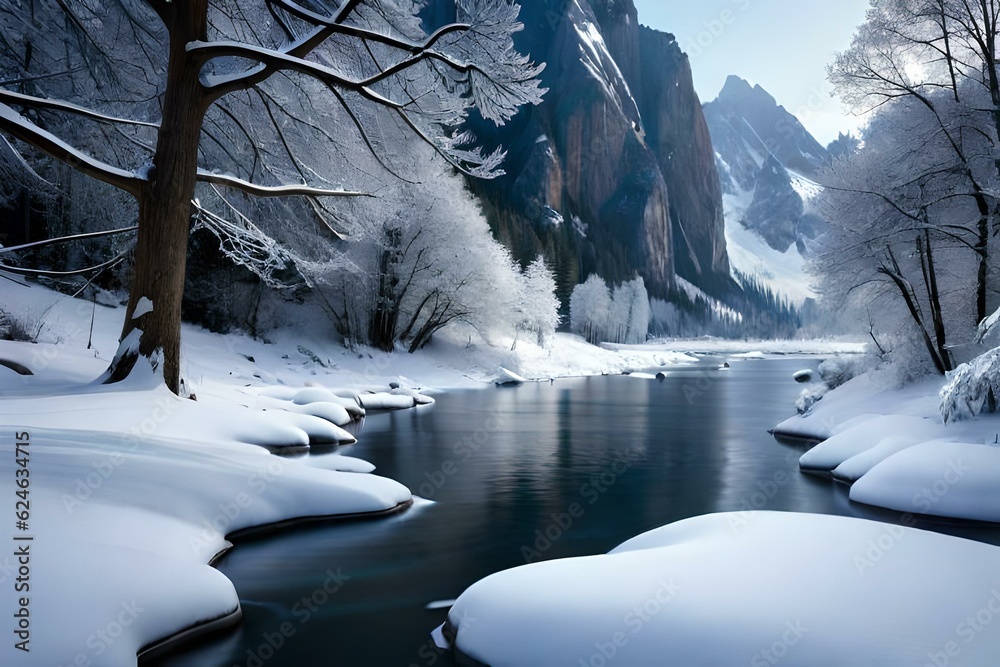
{"x": 17, "y": 126}
{"x": 19, "y": 99}
{"x": 265, "y": 191}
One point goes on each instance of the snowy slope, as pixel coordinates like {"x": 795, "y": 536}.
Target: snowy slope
{"x": 784, "y": 272}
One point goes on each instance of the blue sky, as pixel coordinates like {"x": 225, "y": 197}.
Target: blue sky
{"x": 783, "y": 45}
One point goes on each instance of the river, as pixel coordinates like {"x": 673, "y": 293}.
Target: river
{"x": 570, "y": 468}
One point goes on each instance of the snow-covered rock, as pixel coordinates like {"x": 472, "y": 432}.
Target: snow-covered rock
{"x": 863, "y": 436}
{"x": 948, "y": 479}
{"x": 804, "y": 375}
{"x": 506, "y": 378}
{"x": 386, "y": 401}
{"x": 418, "y": 398}
{"x": 719, "y": 590}
{"x": 858, "y": 466}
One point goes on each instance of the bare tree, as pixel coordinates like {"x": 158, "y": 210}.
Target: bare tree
{"x": 911, "y": 49}
{"x": 903, "y": 229}
{"x": 179, "y": 91}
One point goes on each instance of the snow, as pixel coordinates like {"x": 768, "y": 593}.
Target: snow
{"x": 507, "y": 378}
{"x": 596, "y": 57}
{"x": 386, "y": 401}
{"x": 100, "y": 453}
{"x": 143, "y": 307}
{"x": 718, "y": 590}
{"x": 786, "y": 273}
{"x": 987, "y": 326}
{"x": 861, "y": 437}
{"x": 806, "y": 188}
{"x": 971, "y": 386}
{"x": 859, "y": 465}
{"x": 99, "y": 496}
{"x": 720, "y": 309}
{"x": 98, "y": 458}
{"x": 863, "y": 395}
{"x": 892, "y": 445}
{"x": 948, "y": 479}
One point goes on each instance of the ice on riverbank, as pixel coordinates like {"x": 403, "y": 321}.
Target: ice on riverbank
{"x": 718, "y": 590}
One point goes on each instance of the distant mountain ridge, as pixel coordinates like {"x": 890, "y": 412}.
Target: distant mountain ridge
{"x": 767, "y": 163}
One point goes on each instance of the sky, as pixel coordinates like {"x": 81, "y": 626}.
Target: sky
{"x": 783, "y": 45}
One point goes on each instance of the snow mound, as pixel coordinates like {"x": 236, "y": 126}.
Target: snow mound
{"x": 858, "y": 466}
{"x": 718, "y": 590}
{"x": 947, "y": 479}
{"x": 386, "y": 401}
{"x": 117, "y": 549}
{"x": 508, "y": 378}
{"x": 863, "y": 436}
{"x": 418, "y": 398}
{"x": 804, "y": 375}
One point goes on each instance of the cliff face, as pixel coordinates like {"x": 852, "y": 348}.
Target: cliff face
{"x": 678, "y": 134}
{"x": 614, "y": 173}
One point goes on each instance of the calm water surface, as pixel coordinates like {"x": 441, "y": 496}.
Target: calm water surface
{"x": 505, "y": 469}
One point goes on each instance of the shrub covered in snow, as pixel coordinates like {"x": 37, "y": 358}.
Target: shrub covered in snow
{"x": 809, "y": 397}
{"x": 842, "y": 368}
{"x": 972, "y": 387}
{"x": 23, "y": 328}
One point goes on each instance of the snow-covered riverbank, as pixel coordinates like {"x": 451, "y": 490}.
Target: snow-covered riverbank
{"x": 134, "y": 490}
{"x": 893, "y": 447}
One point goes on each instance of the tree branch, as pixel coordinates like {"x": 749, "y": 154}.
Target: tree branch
{"x": 19, "y": 99}
{"x": 20, "y": 128}
{"x": 265, "y": 191}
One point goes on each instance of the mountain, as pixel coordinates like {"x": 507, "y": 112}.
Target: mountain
{"x": 767, "y": 164}
{"x": 615, "y": 171}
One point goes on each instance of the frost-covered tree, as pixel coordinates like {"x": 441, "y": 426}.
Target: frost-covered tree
{"x": 166, "y": 99}
{"x": 630, "y": 313}
{"x": 940, "y": 55}
{"x": 905, "y": 237}
{"x": 619, "y": 315}
{"x": 422, "y": 257}
{"x": 589, "y": 306}
{"x": 537, "y": 303}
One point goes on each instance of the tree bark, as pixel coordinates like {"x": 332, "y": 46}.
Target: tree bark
{"x": 165, "y": 208}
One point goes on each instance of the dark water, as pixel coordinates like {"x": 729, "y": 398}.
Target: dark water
{"x": 540, "y": 471}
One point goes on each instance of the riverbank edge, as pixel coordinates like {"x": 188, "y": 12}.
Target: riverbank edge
{"x": 191, "y": 635}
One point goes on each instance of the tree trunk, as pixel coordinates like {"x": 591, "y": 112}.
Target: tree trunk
{"x": 165, "y": 208}
{"x": 385, "y": 315}
{"x": 926, "y": 251}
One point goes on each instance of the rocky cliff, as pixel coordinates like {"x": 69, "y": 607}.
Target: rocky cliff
{"x": 614, "y": 173}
